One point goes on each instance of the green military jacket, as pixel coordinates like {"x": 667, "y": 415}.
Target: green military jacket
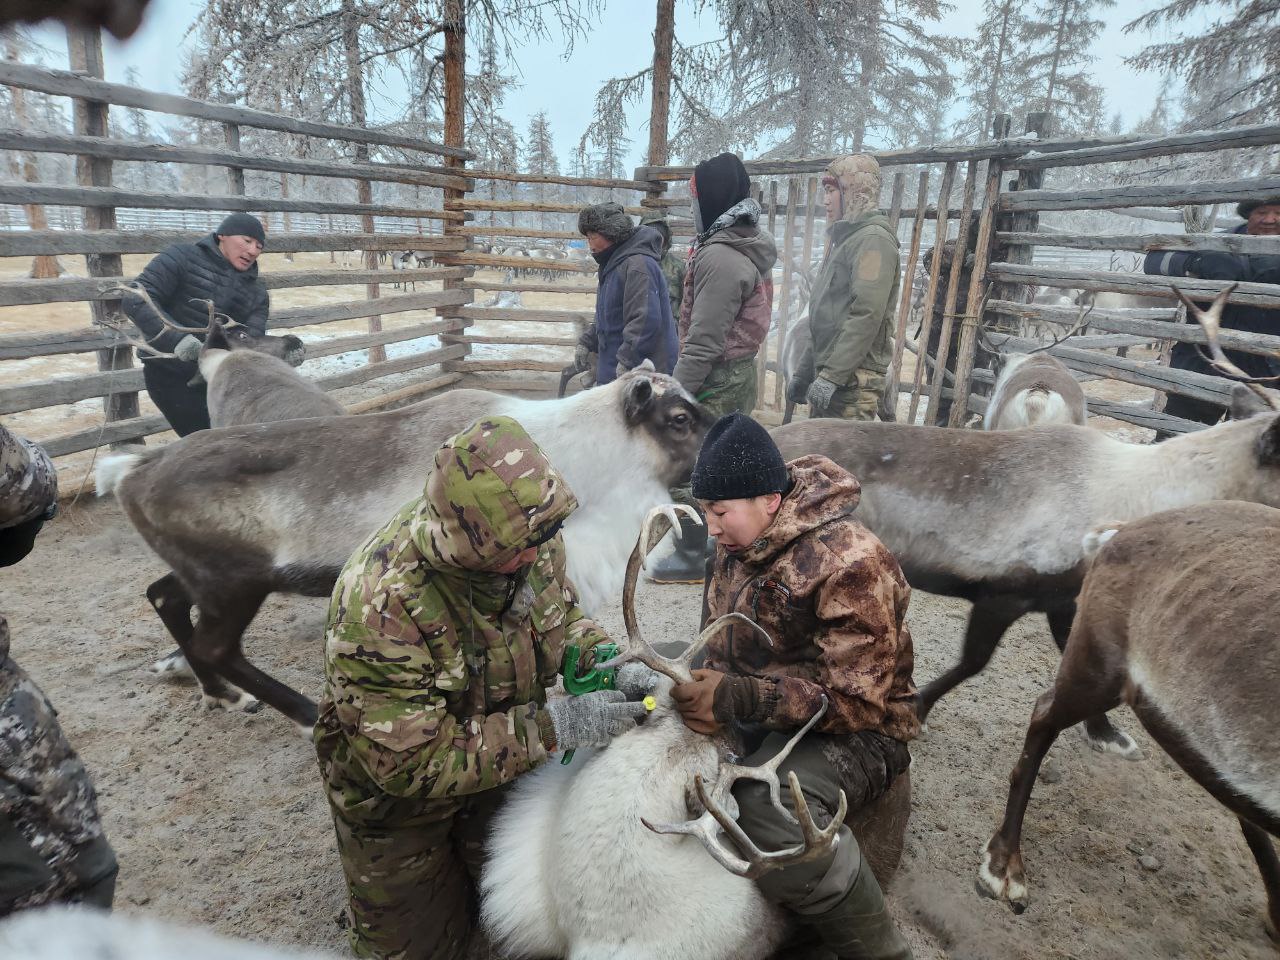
{"x": 436, "y": 666}
{"x": 851, "y": 310}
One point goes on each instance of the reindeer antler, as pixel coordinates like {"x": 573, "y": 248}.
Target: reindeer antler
{"x": 1082, "y": 321}
{"x": 1211, "y": 323}
{"x": 655, "y": 526}
{"x": 714, "y": 818}
{"x": 116, "y": 322}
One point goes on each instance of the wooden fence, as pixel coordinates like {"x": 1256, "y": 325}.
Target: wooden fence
{"x": 512, "y": 298}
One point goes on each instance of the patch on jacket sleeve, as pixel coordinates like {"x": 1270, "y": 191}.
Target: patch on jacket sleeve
{"x": 869, "y": 265}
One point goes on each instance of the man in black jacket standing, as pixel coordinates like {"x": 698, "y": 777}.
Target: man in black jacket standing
{"x": 1262, "y": 219}
{"x": 223, "y": 268}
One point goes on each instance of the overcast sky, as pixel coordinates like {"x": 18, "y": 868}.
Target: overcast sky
{"x": 619, "y": 44}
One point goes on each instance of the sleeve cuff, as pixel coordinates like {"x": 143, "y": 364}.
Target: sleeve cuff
{"x": 744, "y": 698}
{"x": 546, "y": 730}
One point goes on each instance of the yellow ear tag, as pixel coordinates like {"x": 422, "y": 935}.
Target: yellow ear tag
{"x": 650, "y": 703}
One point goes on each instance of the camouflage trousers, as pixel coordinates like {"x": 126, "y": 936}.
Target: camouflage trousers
{"x": 862, "y": 401}
{"x": 730, "y": 386}
{"x": 411, "y": 868}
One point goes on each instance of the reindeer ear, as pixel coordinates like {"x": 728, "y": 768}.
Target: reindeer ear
{"x": 1245, "y": 403}
{"x": 1269, "y": 445}
{"x": 216, "y": 338}
{"x": 638, "y": 399}
{"x": 646, "y": 364}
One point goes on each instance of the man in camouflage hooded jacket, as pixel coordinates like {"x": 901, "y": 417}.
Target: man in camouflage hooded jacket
{"x": 790, "y": 556}
{"x": 854, "y": 299}
{"x": 445, "y": 629}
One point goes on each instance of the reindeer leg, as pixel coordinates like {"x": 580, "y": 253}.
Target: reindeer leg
{"x": 173, "y": 605}
{"x": 1081, "y": 689}
{"x": 988, "y": 621}
{"x": 217, "y": 644}
{"x": 1098, "y": 731}
{"x": 1264, "y": 851}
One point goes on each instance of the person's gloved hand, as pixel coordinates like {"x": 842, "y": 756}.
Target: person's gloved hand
{"x": 635, "y": 680}
{"x": 798, "y": 389}
{"x": 820, "y": 393}
{"x": 581, "y": 356}
{"x": 592, "y": 719}
{"x": 621, "y": 369}
{"x": 188, "y": 349}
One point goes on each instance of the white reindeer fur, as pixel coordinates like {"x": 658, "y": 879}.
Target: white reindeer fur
{"x": 1026, "y": 407}
{"x": 78, "y": 933}
{"x": 573, "y": 873}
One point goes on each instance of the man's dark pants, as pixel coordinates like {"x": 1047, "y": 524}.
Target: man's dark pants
{"x": 186, "y": 407}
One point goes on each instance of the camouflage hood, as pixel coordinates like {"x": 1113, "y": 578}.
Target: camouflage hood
{"x": 491, "y": 494}
{"x": 858, "y": 178}
{"x": 28, "y": 481}
{"x": 820, "y": 492}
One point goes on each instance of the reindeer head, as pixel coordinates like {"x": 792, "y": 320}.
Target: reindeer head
{"x": 235, "y": 336}
{"x": 674, "y": 421}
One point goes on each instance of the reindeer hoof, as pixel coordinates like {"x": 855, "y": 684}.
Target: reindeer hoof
{"x": 1000, "y": 885}
{"x": 1117, "y": 742}
{"x": 305, "y": 731}
{"x": 235, "y": 700}
{"x": 174, "y": 663}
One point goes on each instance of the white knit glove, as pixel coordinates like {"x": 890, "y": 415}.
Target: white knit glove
{"x": 820, "y": 393}
{"x": 188, "y": 349}
{"x": 592, "y": 719}
{"x": 635, "y": 680}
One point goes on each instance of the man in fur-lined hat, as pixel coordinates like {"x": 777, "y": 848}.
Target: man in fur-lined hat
{"x": 854, "y": 298}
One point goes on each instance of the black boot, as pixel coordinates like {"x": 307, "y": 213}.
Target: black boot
{"x": 688, "y": 564}
{"x": 858, "y": 927}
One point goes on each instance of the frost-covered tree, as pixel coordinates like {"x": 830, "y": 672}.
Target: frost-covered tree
{"x": 1241, "y": 48}
{"x": 1063, "y": 34}
{"x": 996, "y": 73}
{"x": 540, "y": 158}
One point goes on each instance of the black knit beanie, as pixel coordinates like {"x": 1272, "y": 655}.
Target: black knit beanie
{"x": 607, "y": 219}
{"x": 721, "y": 182}
{"x": 738, "y": 460}
{"x": 242, "y": 225}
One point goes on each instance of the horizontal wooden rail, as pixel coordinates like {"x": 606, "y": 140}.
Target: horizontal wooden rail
{"x": 372, "y": 371}
{"x": 111, "y": 149}
{"x": 76, "y": 289}
{"x": 643, "y": 186}
{"x": 1257, "y": 294}
{"x": 517, "y": 263}
{"x": 482, "y": 284}
{"x": 1142, "y": 416}
{"x": 64, "y": 83}
{"x": 1185, "y": 383}
{"x": 523, "y": 341}
{"x": 1156, "y": 195}
{"x": 523, "y": 206}
{"x": 134, "y": 428}
{"x": 1119, "y": 322}
{"x": 317, "y": 349}
{"x": 1139, "y": 242}
{"x": 50, "y": 393}
{"x": 1203, "y": 141}
{"x": 20, "y": 193}
{"x": 353, "y": 309}
{"x": 35, "y": 243}
{"x": 430, "y": 385}
{"x": 531, "y": 316}
{"x": 471, "y": 230}
{"x": 492, "y": 366}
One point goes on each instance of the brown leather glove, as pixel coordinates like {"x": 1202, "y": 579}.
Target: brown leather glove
{"x": 736, "y": 698}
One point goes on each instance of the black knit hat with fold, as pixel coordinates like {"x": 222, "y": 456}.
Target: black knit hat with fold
{"x": 738, "y": 460}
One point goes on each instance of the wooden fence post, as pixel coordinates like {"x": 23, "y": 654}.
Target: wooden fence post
{"x": 931, "y": 293}
{"x": 908, "y": 285}
{"x": 784, "y": 305}
{"x": 84, "y": 51}
{"x": 953, "y": 287}
{"x": 1027, "y": 221}
{"x": 455, "y": 59}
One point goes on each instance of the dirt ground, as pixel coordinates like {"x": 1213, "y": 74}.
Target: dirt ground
{"x": 218, "y": 819}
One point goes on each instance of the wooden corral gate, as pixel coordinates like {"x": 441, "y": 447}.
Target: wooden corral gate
{"x": 433, "y": 206}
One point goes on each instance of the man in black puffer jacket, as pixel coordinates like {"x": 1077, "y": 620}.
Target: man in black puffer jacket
{"x": 222, "y": 267}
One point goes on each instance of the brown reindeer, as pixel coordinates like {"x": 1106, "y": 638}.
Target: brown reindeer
{"x": 1177, "y": 619}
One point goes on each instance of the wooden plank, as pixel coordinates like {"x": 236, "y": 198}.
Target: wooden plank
{"x": 26, "y": 291}
{"x": 532, "y": 316}
{"x": 354, "y": 309}
{"x": 482, "y": 284}
{"x": 895, "y": 200}
{"x": 1142, "y": 416}
{"x": 50, "y": 393}
{"x": 1157, "y": 195}
{"x": 14, "y": 139}
{"x": 362, "y": 341}
{"x": 524, "y": 341}
{"x": 524, "y": 206}
{"x": 904, "y": 301}
{"x": 1126, "y": 322}
{"x": 18, "y": 192}
{"x": 522, "y": 232}
{"x": 372, "y": 371}
{"x": 1140, "y": 242}
{"x": 117, "y": 431}
{"x": 1256, "y": 294}
{"x": 549, "y": 366}
{"x": 535, "y": 384}
{"x": 784, "y": 302}
{"x": 64, "y": 83}
{"x": 1202, "y": 141}
{"x": 931, "y": 292}
{"x": 33, "y": 243}
{"x": 1186, "y": 383}
{"x": 518, "y": 263}
{"x": 952, "y": 295}
{"x": 430, "y": 385}
{"x": 642, "y": 186}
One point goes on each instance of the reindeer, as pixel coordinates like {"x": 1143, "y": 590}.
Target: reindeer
{"x": 996, "y": 518}
{"x": 250, "y": 379}
{"x": 244, "y": 512}
{"x": 572, "y": 844}
{"x": 1177, "y": 619}
{"x": 1034, "y": 387}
